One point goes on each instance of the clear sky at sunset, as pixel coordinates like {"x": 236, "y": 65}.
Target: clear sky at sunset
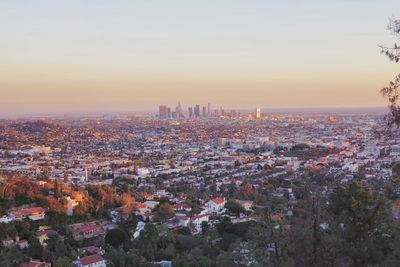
{"x": 103, "y": 56}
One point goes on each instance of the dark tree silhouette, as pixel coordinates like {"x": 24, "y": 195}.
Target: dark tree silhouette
{"x": 391, "y": 92}
{"x": 393, "y": 53}
{"x": 116, "y": 237}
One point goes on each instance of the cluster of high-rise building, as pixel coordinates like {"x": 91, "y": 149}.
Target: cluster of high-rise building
{"x": 165, "y": 112}
{"x": 198, "y": 111}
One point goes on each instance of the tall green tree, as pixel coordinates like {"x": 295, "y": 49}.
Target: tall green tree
{"x": 360, "y": 219}
{"x": 147, "y": 242}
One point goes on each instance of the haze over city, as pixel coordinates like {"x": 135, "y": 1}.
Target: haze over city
{"x": 209, "y": 133}
{"x": 103, "y": 56}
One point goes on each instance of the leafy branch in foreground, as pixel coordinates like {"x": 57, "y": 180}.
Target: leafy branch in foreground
{"x": 393, "y": 53}
{"x": 391, "y": 92}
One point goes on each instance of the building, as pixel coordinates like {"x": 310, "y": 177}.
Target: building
{"x": 196, "y": 222}
{"x": 216, "y": 205}
{"x": 91, "y": 250}
{"x": 34, "y": 214}
{"x": 222, "y": 112}
{"x": 81, "y": 231}
{"x": 246, "y": 204}
{"x": 197, "y": 111}
{"x": 162, "y": 112}
{"x": 163, "y": 263}
{"x": 95, "y": 260}
{"x": 190, "y": 112}
{"x": 258, "y": 113}
{"x": 169, "y": 115}
{"x": 179, "y": 111}
{"x": 19, "y": 243}
{"x": 36, "y": 263}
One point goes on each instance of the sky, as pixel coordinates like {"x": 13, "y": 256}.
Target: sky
{"x": 72, "y": 56}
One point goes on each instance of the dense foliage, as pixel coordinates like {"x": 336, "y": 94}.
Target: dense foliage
{"x": 351, "y": 225}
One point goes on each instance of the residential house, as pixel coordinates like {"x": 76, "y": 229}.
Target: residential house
{"x": 11, "y": 243}
{"x": 36, "y": 263}
{"x": 81, "y": 231}
{"x": 196, "y": 222}
{"x": 216, "y": 205}
{"x": 35, "y": 213}
{"x": 95, "y": 260}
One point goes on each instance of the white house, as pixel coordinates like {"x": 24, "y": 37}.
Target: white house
{"x": 197, "y": 220}
{"x": 216, "y": 205}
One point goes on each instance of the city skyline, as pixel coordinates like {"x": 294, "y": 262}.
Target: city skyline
{"x": 73, "y": 57}
{"x": 205, "y": 133}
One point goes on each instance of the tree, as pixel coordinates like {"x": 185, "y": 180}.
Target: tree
{"x": 166, "y": 211}
{"x": 391, "y": 91}
{"x": 117, "y": 257}
{"x": 396, "y": 172}
{"x": 194, "y": 258}
{"x": 11, "y": 257}
{"x": 360, "y": 222}
{"x": 35, "y": 249}
{"x": 116, "y": 237}
{"x": 234, "y": 207}
{"x": 63, "y": 262}
{"x": 186, "y": 242}
{"x": 54, "y": 205}
{"x": 147, "y": 242}
{"x": 83, "y": 208}
{"x": 102, "y": 196}
{"x": 127, "y": 199}
{"x": 55, "y": 248}
{"x": 57, "y": 187}
{"x": 204, "y": 227}
{"x": 308, "y": 244}
{"x": 393, "y": 53}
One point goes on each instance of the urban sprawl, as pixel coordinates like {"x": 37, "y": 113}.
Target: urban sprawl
{"x": 194, "y": 187}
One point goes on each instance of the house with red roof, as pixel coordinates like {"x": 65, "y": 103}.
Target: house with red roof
{"x": 35, "y": 213}
{"x": 36, "y": 263}
{"x": 216, "y": 205}
{"x": 196, "y": 222}
{"x": 277, "y": 216}
{"x": 95, "y": 260}
{"x": 91, "y": 250}
{"x": 182, "y": 207}
{"x": 142, "y": 207}
{"x": 81, "y": 231}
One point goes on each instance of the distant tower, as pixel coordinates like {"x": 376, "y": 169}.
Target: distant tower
{"x": 209, "y": 109}
{"x": 179, "y": 111}
{"x": 258, "y": 113}
{"x": 86, "y": 174}
{"x": 169, "y": 112}
{"x": 190, "y": 112}
{"x": 162, "y": 112}
{"x": 197, "y": 111}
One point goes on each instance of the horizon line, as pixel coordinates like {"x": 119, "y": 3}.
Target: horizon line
{"x": 26, "y": 115}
